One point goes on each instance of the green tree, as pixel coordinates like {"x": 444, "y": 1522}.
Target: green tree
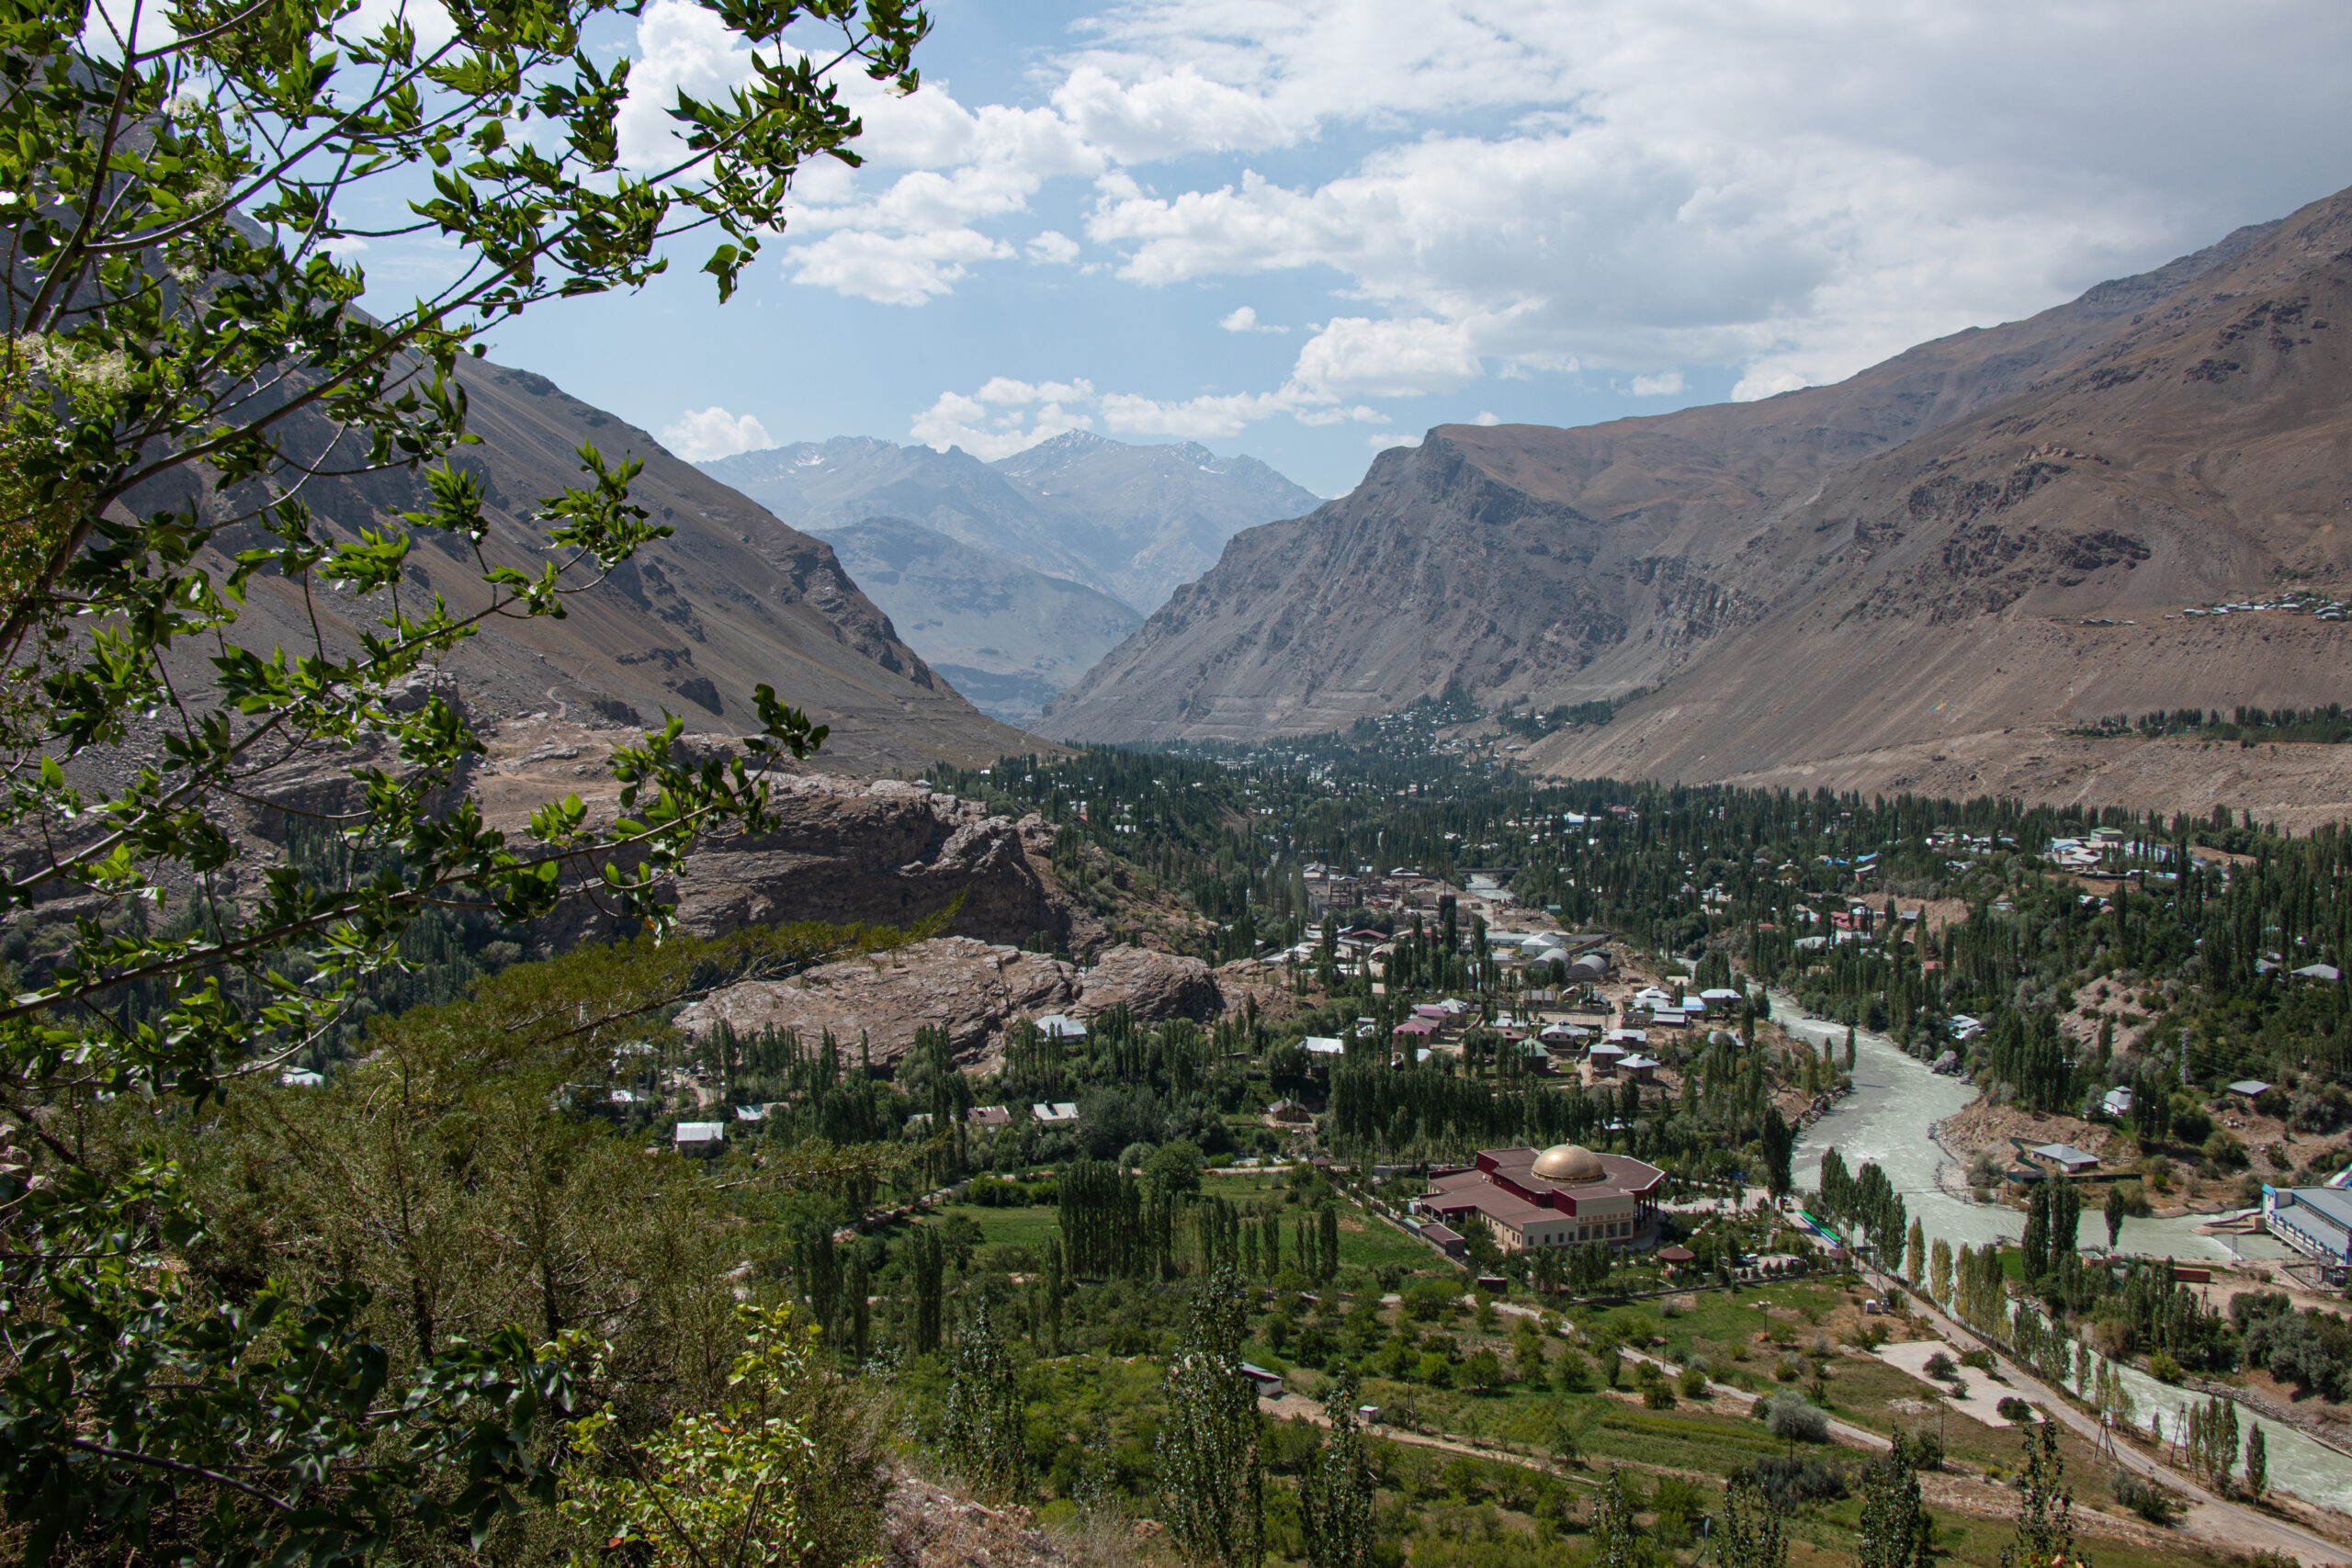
{"x": 1211, "y": 1475}
{"x": 1749, "y": 1533}
{"x": 985, "y": 1429}
{"x": 2257, "y": 1461}
{"x": 2117, "y": 1209}
{"x": 183, "y": 353}
{"x": 1896, "y": 1529}
{"x": 2045, "y": 1532}
{"x": 710, "y": 1489}
{"x": 1616, "y": 1531}
{"x": 1779, "y": 1146}
{"x": 1914, "y": 1255}
{"x": 1335, "y": 1495}
{"x": 1327, "y": 1250}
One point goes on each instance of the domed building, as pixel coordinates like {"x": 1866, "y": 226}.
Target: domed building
{"x": 1563, "y": 1196}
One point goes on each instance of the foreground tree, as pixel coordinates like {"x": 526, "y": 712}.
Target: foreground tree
{"x": 2045, "y": 1533}
{"x": 183, "y": 357}
{"x": 1896, "y": 1529}
{"x": 987, "y": 1419}
{"x": 1211, "y": 1476}
{"x": 1335, "y": 1495}
{"x": 1750, "y": 1532}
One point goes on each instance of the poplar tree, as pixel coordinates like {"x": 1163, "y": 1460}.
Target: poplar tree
{"x": 1335, "y": 1495}
{"x": 1896, "y": 1529}
{"x": 1211, "y": 1475}
{"x": 985, "y": 1429}
{"x": 1749, "y": 1533}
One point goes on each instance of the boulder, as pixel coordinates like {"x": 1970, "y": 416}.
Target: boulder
{"x": 1154, "y": 985}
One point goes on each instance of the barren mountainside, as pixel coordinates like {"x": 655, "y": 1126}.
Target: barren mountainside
{"x": 732, "y": 599}
{"x": 1903, "y": 558}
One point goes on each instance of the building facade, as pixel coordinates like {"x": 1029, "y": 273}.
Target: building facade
{"x": 1563, "y": 1196}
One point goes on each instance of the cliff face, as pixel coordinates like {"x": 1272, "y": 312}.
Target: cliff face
{"x": 690, "y": 624}
{"x": 1910, "y": 555}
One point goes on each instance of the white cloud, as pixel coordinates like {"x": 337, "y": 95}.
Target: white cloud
{"x": 1052, "y": 247}
{"x": 683, "y": 48}
{"x": 1384, "y": 443}
{"x": 701, "y": 435}
{"x": 999, "y": 420}
{"x": 1515, "y": 191}
{"x": 1244, "y": 318}
{"x": 1167, "y": 116}
{"x": 1488, "y": 417}
{"x": 893, "y": 269}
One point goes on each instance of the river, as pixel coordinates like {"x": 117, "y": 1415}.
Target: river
{"x": 1885, "y": 1120}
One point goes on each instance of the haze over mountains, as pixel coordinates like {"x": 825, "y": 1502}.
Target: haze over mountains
{"x": 1904, "y": 559}
{"x": 1009, "y": 637}
{"x": 1133, "y": 522}
{"x": 1014, "y": 577}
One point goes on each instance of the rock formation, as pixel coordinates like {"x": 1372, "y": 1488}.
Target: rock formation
{"x": 974, "y": 989}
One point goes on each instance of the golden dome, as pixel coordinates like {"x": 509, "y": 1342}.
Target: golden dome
{"x": 1570, "y": 1165}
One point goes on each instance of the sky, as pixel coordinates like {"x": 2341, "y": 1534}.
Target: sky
{"x": 1313, "y": 228}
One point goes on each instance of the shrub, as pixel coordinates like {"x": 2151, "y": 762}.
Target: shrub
{"x": 2012, "y": 1408}
{"x": 1981, "y": 1359}
{"x": 1788, "y": 1415}
{"x": 1693, "y": 1382}
{"x": 2143, "y": 1496}
{"x": 1788, "y": 1479}
{"x": 2163, "y": 1368}
{"x": 1941, "y": 1367}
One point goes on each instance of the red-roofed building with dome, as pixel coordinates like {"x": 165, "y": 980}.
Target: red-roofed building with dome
{"x": 1563, "y": 1196}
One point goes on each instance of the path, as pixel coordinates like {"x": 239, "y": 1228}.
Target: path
{"x": 2218, "y": 1522}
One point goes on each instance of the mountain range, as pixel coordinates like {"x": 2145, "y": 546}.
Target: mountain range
{"x": 1007, "y": 636}
{"x": 1130, "y": 521}
{"x": 2001, "y": 531}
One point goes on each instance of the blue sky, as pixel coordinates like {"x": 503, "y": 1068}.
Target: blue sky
{"x": 1309, "y": 228}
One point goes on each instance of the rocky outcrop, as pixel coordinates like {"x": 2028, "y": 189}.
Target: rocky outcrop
{"x": 1154, "y": 985}
{"x": 974, "y": 989}
{"x": 849, "y": 851}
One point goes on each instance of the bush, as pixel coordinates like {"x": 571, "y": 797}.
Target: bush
{"x": 1981, "y": 1359}
{"x": 1788, "y": 1479}
{"x": 1941, "y": 1368}
{"x": 2143, "y": 1496}
{"x": 1429, "y": 1300}
{"x": 1922, "y": 1449}
{"x": 1693, "y": 1382}
{"x": 2163, "y": 1368}
{"x": 2012, "y": 1408}
{"x": 1788, "y": 1415}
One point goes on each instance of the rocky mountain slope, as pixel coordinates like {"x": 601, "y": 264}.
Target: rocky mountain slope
{"x": 1130, "y": 521}
{"x": 1898, "y": 560}
{"x": 733, "y": 598}
{"x": 1009, "y": 637}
